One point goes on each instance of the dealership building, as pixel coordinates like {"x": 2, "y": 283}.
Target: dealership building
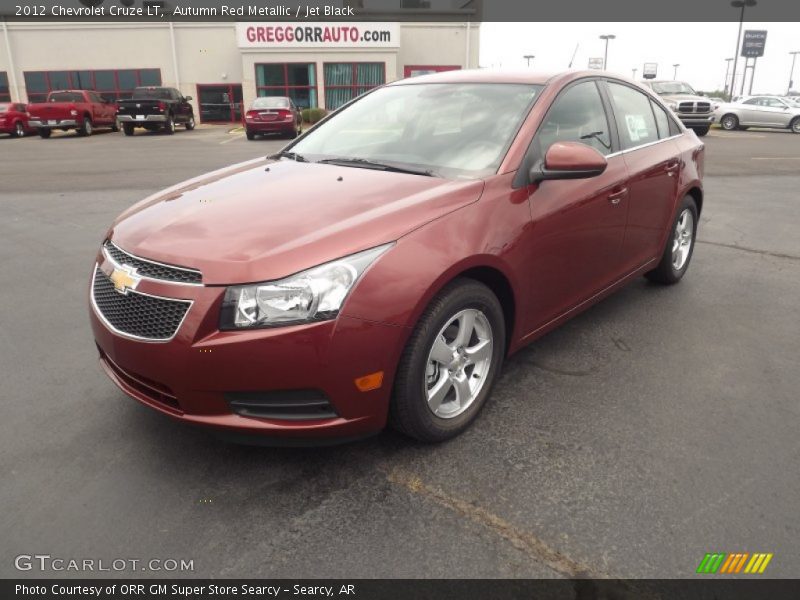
{"x": 223, "y": 66}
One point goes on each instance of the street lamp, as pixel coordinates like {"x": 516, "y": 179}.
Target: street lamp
{"x": 739, "y": 4}
{"x": 727, "y": 70}
{"x": 675, "y": 74}
{"x": 791, "y": 73}
{"x": 605, "y": 56}
{"x": 529, "y": 58}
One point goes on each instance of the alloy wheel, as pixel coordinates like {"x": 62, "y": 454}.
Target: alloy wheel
{"x": 458, "y": 363}
{"x": 19, "y": 130}
{"x": 682, "y": 239}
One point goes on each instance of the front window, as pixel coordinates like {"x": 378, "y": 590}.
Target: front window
{"x": 150, "y": 94}
{"x": 453, "y": 130}
{"x": 672, "y": 87}
{"x": 297, "y": 81}
{"x": 345, "y": 81}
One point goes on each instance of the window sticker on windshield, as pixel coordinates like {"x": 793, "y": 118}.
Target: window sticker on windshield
{"x": 637, "y": 128}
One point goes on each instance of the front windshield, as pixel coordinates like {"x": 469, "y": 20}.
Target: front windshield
{"x": 453, "y": 130}
{"x": 673, "y": 87}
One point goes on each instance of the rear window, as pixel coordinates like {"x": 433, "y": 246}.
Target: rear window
{"x": 271, "y": 102}
{"x": 151, "y": 94}
{"x": 65, "y": 97}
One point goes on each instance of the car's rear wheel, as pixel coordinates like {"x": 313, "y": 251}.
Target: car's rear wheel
{"x": 679, "y": 247}
{"x": 19, "y": 129}
{"x": 128, "y": 128}
{"x": 795, "y": 125}
{"x": 190, "y": 124}
{"x": 85, "y": 129}
{"x": 701, "y": 131}
{"x": 729, "y": 122}
{"x": 450, "y": 363}
{"x": 45, "y": 133}
{"x": 169, "y": 125}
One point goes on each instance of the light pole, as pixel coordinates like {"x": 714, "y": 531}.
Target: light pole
{"x": 791, "y": 73}
{"x": 634, "y": 73}
{"x": 727, "y": 70}
{"x": 739, "y": 4}
{"x": 605, "y": 56}
{"x": 529, "y": 58}
{"x": 675, "y": 74}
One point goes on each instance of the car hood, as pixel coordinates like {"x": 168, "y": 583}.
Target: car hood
{"x": 684, "y": 98}
{"x": 265, "y": 219}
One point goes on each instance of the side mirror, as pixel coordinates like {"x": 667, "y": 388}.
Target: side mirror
{"x": 568, "y": 160}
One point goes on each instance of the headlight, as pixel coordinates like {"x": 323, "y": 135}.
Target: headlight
{"x": 313, "y": 295}
{"x": 672, "y": 106}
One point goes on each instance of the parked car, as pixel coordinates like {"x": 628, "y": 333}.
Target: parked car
{"x": 14, "y": 119}
{"x": 81, "y": 110}
{"x": 387, "y": 262}
{"x": 759, "y": 111}
{"x": 695, "y": 111}
{"x": 155, "y": 108}
{"x": 273, "y": 114}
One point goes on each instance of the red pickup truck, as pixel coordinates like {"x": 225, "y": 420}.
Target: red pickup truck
{"x": 82, "y": 110}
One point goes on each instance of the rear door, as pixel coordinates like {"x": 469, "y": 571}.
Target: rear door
{"x": 647, "y": 138}
{"x": 578, "y": 224}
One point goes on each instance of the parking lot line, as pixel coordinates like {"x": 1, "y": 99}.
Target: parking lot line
{"x": 235, "y": 137}
{"x": 775, "y": 158}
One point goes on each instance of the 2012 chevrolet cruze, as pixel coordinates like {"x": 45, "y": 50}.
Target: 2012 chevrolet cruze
{"x": 384, "y": 264}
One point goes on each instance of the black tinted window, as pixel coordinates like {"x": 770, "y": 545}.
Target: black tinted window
{"x": 635, "y": 119}
{"x": 577, "y": 115}
{"x": 65, "y": 97}
{"x": 662, "y": 120}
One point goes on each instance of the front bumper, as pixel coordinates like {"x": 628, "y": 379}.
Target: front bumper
{"x": 52, "y": 123}
{"x": 193, "y": 376}
{"x": 696, "y": 120}
{"x": 144, "y": 119}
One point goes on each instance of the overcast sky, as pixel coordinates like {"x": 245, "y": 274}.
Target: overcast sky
{"x": 699, "y": 48}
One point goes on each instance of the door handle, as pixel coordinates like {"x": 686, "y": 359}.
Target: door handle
{"x": 672, "y": 167}
{"x": 616, "y": 197}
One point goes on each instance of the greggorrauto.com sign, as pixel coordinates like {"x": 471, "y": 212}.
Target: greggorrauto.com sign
{"x": 317, "y": 35}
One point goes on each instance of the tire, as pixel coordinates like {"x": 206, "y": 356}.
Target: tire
{"x": 419, "y": 374}
{"x": 45, "y": 133}
{"x": 19, "y": 130}
{"x": 250, "y": 135}
{"x": 701, "y": 131}
{"x": 729, "y": 122}
{"x": 795, "y": 125}
{"x": 679, "y": 247}
{"x": 169, "y": 125}
{"x": 115, "y": 126}
{"x": 190, "y": 124}
{"x": 128, "y": 128}
{"x": 86, "y": 128}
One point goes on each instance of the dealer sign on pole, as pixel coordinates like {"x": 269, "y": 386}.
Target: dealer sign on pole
{"x": 650, "y": 70}
{"x": 753, "y": 43}
{"x": 596, "y": 63}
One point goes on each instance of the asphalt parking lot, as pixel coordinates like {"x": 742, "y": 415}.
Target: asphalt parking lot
{"x": 660, "y": 425}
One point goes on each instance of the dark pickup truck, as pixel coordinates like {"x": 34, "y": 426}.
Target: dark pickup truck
{"x": 155, "y": 108}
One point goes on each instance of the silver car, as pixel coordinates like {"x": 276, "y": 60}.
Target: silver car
{"x": 759, "y": 111}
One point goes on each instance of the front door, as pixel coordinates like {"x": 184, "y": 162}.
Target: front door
{"x": 220, "y": 103}
{"x": 578, "y": 225}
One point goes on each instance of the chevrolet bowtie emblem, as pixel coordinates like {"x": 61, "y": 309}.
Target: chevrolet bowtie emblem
{"x": 124, "y": 278}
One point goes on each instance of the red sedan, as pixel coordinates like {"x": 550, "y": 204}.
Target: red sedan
{"x": 383, "y": 266}
{"x": 273, "y": 114}
{"x": 14, "y": 119}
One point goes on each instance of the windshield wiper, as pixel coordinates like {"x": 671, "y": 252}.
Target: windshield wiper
{"x": 363, "y": 163}
{"x": 596, "y": 136}
{"x": 289, "y": 154}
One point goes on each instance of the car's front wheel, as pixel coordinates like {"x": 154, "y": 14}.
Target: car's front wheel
{"x": 729, "y": 122}
{"x": 190, "y": 124}
{"x": 679, "y": 247}
{"x": 169, "y": 125}
{"x": 128, "y": 128}
{"x": 450, "y": 363}
{"x": 795, "y": 125}
{"x": 19, "y": 130}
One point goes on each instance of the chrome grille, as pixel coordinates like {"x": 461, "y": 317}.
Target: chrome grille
{"x": 136, "y": 314}
{"x": 152, "y": 269}
{"x": 694, "y": 107}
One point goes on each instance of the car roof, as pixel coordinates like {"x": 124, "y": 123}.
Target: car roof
{"x": 481, "y": 76}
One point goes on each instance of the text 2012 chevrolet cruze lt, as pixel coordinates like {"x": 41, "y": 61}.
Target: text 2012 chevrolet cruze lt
{"x": 384, "y": 264}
